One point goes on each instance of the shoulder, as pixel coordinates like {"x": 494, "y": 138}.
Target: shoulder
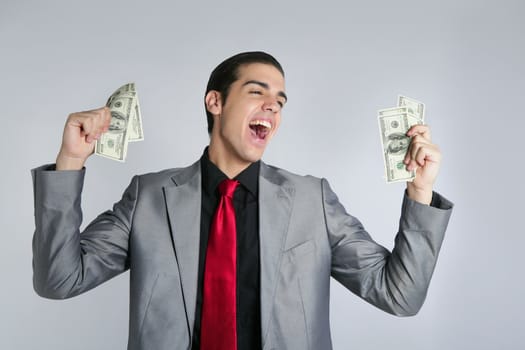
{"x": 169, "y": 176}
{"x": 159, "y": 174}
{"x": 275, "y": 173}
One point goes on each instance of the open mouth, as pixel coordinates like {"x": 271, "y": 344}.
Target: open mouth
{"x": 261, "y": 128}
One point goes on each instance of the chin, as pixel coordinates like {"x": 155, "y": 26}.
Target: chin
{"x": 253, "y": 159}
{"x": 253, "y": 155}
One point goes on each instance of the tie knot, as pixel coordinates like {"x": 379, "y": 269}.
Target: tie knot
{"x": 227, "y": 187}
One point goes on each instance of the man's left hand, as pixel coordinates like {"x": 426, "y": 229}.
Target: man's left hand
{"x": 425, "y": 158}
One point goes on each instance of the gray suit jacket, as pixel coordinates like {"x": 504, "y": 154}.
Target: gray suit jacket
{"x": 306, "y": 236}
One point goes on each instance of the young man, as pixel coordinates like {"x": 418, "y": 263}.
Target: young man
{"x": 290, "y": 233}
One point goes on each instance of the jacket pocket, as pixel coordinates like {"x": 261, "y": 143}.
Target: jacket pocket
{"x": 301, "y": 249}
{"x": 288, "y": 326}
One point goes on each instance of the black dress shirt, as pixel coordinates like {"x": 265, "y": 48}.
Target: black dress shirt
{"x": 245, "y": 201}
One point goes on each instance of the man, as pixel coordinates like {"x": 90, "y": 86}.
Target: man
{"x": 291, "y": 234}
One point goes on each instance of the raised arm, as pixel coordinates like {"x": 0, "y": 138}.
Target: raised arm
{"x": 396, "y": 281}
{"x": 67, "y": 262}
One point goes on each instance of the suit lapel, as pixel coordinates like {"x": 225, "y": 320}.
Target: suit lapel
{"x": 183, "y": 203}
{"x": 276, "y": 195}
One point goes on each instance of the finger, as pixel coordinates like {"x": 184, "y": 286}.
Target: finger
{"x": 100, "y": 119}
{"x": 424, "y": 153}
{"x": 420, "y": 129}
{"x": 90, "y": 127}
{"x": 421, "y": 156}
{"x": 416, "y": 151}
{"x": 89, "y": 130}
{"x": 410, "y": 157}
{"x": 106, "y": 119}
{"x": 418, "y": 139}
{"x": 411, "y": 162}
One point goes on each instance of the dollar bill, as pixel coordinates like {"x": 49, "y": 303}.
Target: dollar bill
{"x": 393, "y": 125}
{"x": 414, "y": 107}
{"x": 125, "y": 126}
{"x": 135, "y": 132}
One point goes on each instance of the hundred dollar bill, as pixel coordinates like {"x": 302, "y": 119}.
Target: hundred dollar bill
{"x": 125, "y": 125}
{"x": 135, "y": 132}
{"x": 414, "y": 107}
{"x": 393, "y": 125}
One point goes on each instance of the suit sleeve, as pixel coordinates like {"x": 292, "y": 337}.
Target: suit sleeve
{"x": 67, "y": 262}
{"x": 397, "y": 281}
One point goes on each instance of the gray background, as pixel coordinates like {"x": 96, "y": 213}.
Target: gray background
{"x": 343, "y": 60}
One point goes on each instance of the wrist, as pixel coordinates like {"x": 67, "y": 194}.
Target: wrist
{"x": 421, "y": 195}
{"x": 64, "y": 162}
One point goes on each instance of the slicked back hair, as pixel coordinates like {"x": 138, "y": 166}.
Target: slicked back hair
{"x": 226, "y": 73}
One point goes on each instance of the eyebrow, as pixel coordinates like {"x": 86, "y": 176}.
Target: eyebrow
{"x": 267, "y": 87}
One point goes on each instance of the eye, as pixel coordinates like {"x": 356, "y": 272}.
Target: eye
{"x": 256, "y": 92}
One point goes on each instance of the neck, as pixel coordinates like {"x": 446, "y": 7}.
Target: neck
{"x": 228, "y": 164}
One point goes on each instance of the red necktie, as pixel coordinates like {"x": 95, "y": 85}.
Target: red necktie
{"x": 219, "y": 308}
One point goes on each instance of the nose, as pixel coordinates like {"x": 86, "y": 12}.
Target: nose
{"x": 271, "y": 104}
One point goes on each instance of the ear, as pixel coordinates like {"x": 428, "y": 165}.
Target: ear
{"x": 213, "y": 102}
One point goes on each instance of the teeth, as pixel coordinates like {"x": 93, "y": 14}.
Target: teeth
{"x": 264, "y": 123}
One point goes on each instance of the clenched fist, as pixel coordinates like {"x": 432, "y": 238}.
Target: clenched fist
{"x": 80, "y": 132}
{"x": 425, "y": 158}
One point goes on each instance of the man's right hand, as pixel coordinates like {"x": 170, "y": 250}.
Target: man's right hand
{"x": 80, "y": 132}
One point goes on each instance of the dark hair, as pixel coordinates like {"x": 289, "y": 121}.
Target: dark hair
{"x": 226, "y": 73}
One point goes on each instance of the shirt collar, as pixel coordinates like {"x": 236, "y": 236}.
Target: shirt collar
{"x": 212, "y": 175}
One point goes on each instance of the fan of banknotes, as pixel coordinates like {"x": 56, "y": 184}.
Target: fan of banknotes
{"x": 393, "y": 125}
{"x": 125, "y": 126}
